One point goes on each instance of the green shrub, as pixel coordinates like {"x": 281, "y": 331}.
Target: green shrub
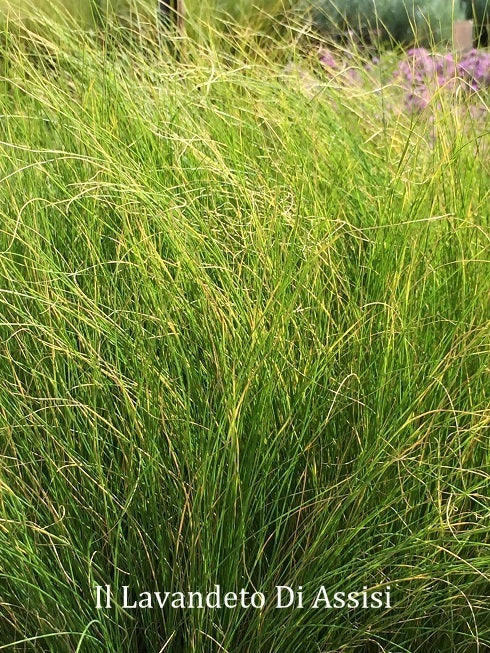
{"x": 403, "y": 20}
{"x": 81, "y": 12}
{"x": 478, "y": 9}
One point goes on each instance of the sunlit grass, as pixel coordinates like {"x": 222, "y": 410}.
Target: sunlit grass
{"x": 242, "y": 326}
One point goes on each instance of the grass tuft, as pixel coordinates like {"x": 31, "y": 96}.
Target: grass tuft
{"x": 243, "y": 327}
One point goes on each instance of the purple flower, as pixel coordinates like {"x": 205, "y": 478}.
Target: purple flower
{"x": 418, "y": 100}
{"x": 327, "y": 58}
{"x": 474, "y": 68}
{"x": 422, "y": 72}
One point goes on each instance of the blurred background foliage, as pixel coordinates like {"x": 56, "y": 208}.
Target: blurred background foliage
{"x": 400, "y": 21}
{"x": 87, "y": 11}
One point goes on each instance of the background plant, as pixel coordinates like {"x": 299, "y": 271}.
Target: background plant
{"x": 91, "y": 12}
{"x": 479, "y": 12}
{"x": 477, "y": 9}
{"x": 403, "y": 21}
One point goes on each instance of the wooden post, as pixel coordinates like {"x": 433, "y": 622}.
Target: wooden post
{"x": 172, "y": 14}
{"x": 463, "y": 35}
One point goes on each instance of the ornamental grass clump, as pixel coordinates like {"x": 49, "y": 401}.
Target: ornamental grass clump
{"x": 243, "y": 344}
